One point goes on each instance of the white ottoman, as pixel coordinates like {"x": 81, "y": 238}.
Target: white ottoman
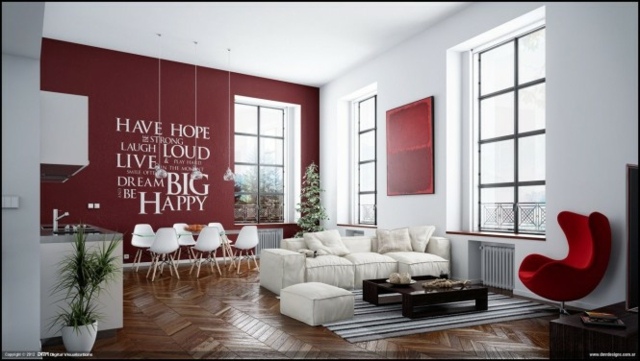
{"x": 316, "y": 303}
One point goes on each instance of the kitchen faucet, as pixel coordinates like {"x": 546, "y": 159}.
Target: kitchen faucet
{"x": 56, "y": 218}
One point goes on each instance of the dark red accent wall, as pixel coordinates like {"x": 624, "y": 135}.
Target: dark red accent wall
{"x": 125, "y": 86}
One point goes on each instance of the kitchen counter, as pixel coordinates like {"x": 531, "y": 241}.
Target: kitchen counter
{"x": 94, "y": 233}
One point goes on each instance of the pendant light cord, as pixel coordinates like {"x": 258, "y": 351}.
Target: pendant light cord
{"x": 159, "y": 98}
{"x": 195, "y": 106}
{"x": 229, "y": 105}
{"x": 160, "y": 172}
{"x": 196, "y": 174}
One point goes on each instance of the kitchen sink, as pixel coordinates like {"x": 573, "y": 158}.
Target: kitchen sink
{"x": 69, "y": 230}
{"x": 72, "y": 231}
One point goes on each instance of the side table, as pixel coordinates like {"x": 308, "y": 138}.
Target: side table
{"x": 569, "y": 338}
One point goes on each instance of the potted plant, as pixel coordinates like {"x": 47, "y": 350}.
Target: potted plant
{"x": 310, "y": 208}
{"x": 83, "y": 274}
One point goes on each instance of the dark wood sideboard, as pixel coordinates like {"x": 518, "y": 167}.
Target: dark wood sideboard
{"x": 569, "y": 338}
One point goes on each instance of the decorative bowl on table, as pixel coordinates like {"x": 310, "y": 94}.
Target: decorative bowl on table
{"x": 400, "y": 279}
{"x": 194, "y": 227}
{"x": 401, "y": 284}
{"x": 445, "y": 283}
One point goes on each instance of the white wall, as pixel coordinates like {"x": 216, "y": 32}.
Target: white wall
{"x": 21, "y": 39}
{"x": 592, "y": 123}
{"x": 20, "y": 227}
{"x": 592, "y": 126}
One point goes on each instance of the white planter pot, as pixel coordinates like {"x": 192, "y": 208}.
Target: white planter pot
{"x": 81, "y": 340}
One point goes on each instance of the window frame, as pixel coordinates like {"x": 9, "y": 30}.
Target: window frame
{"x": 358, "y": 162}
{"x": 290, "y": 142}
{"x": 516, "y": 136}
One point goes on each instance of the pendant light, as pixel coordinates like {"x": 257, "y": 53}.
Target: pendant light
{"x": 228, "y": 175}
{"x": 160, "y": 172}
{"x": 196, "y": 174}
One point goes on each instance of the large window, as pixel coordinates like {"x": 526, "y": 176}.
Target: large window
{"x": 259, "y": 163}
{"x": 510, "y": 104}
{"x": 366, "y": 185}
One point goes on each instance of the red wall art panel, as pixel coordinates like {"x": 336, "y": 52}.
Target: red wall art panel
{"x": 410, "y": 148}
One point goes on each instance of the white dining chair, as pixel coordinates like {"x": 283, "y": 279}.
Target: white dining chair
{"x": 141, "y": 238}
{"x": 227, "y": 252}
{"x": 207, "y": 244}
{"x": 185, "y": 240}
{"x": 164, "y": 246}
{"x": 245, "y": 243}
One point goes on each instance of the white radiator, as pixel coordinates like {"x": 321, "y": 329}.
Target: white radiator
{"x": 497, "y": 266}
{"x": 268, "y": 238}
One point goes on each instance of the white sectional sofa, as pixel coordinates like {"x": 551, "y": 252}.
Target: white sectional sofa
{"x": 346, "y": 261}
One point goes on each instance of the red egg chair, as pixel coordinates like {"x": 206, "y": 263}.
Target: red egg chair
{"x": 579, "y": 273}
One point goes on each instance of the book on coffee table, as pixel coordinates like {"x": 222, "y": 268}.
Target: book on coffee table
{"x": 613, "y": 322}
{"x": 601, "y": 315}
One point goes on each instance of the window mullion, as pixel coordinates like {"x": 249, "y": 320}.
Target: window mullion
{"x": 516, "y": 141}
{"x": 258, "y": 192}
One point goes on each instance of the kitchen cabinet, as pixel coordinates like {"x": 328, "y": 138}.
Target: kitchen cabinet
{"x": 53, "y": 248}
{"x": 64, "y": 135}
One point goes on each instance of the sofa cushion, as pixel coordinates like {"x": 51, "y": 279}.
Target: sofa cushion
{"x": 420, "y": 264}
{"x": 330, "y": 269}
{"x": 357, "y": 244}
{"x": 371, "y": 265}
{"x": 420, "y": 236}
{"x": 396, "y": 240}
{"x": 328, "y": 241}
{"x": 293, "y": 244}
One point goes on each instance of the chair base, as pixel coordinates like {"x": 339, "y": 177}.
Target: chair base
{"x": 248, "y": 255}
{"x": 227, "y": 251}
{"x": 161, "y": 260}
{"x": 137, "y": 258}
{"x": 190, "y": 253}
{"x": 198, "y": 261}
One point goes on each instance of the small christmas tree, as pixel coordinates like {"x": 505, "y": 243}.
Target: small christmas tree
{"x": 311, "y": 211}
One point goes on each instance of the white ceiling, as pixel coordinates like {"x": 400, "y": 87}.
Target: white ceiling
{"x": 308, "y": 43}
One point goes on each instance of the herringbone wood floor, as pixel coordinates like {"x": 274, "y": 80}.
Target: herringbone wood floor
{"x": 231, "y": 316}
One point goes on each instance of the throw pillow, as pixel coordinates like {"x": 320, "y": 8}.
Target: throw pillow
{"x": 420, "y": 236}
{"x": 326, "y": 241}
{"x": 396, "y": 240}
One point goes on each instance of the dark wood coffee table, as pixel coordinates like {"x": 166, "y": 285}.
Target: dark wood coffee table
{"x": 421, "y": 302}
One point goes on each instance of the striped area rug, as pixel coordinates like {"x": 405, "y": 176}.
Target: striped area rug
{"x": 371, "y": 322}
